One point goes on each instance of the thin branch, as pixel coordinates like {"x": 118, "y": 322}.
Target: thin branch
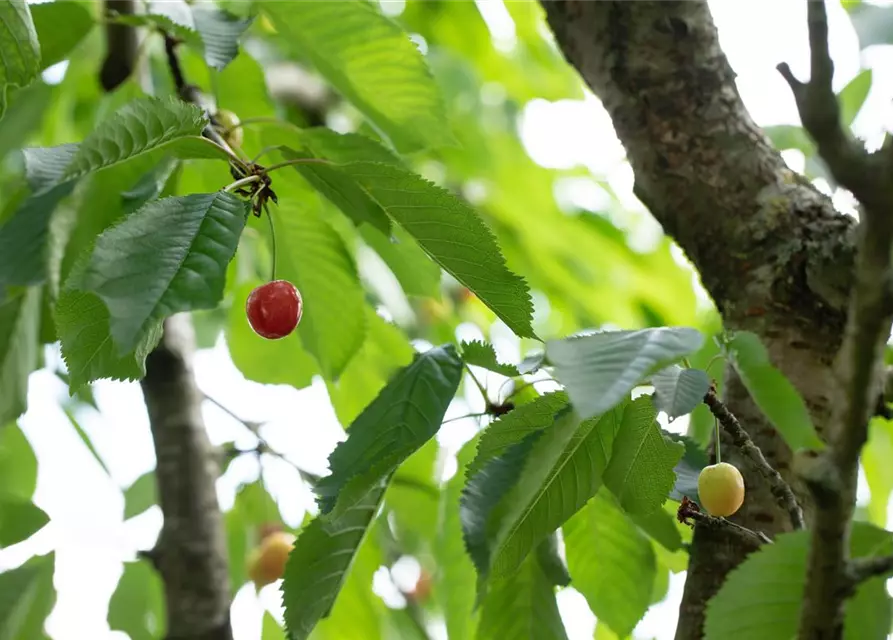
{"x": 862, "y": 569}
{"x": 689, "y": 511}
{"x": 777, "y": 485}
{"x": 859, "y": 364}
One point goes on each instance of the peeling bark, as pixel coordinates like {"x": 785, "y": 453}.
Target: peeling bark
{"x": 190, "y": 554}
{"x": 771, "y": 251}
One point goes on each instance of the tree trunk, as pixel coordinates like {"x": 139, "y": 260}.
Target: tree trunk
{"x": 190, "y": 553}
{"x": 771, "y": 251}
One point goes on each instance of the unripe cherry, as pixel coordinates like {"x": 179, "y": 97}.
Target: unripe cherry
{"x": 721, "y": 489}
{"x": 229, "y": 123}
{"x": 274, "y": 309}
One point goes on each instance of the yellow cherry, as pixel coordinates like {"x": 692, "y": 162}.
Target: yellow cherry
{"x": 266, "y": 563}
{"x": 721, "y": 489}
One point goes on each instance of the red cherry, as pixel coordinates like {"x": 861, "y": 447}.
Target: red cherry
{"x": 274, "y": 309}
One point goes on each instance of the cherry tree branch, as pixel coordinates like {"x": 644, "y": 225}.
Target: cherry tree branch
{"x": 777, "y": 485}
{"x": 859, "y": 363}
{"x": 751, "y": 539}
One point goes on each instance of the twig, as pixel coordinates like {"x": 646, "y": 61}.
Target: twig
{"x": 858, "y": 367}
{"x": 689, "y": 511}
{"x": 861, "y": 569}
{"x": 777, "y": 485}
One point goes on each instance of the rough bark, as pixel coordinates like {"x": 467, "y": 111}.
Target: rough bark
{"x": 190, "y": 554}
{"x": 771, "y": 251}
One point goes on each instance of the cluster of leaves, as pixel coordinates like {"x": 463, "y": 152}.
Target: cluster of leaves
{"x": 111, "y": 235}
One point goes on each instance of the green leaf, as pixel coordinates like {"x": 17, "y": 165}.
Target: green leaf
{"x": 137, "y": 605}
{"x": 168, "y": 257}
{"x": 19, "y": 520}
{"x": 455, "y": 576}
{"x": 852, "y": 97}
{"x": 284, "y": 361}
{"x": 418, "y": 274}
{"x": 776, "y": 575}
{"x": 599, "y": 370}
{"x": 482, "y": 354}
{"x": 220, "y": 32}
{"x": 253, "y": 507}
{"x": 373, "y": 63}
{"x": 661, "y": 526}
{"x": 521, "y": 607}
{"x": 83, "y": 434}
{"x": 24, "y": 114}
{"x": 453, "y": 235}
{"x": 640, "y": 472}
{"x": 678, "y": 391}
{"x": 19, "y": 48}
{"x": 772, "y": 392}
{"x": 384, "y": 350}
{"x": 60, "y": 26}
{"x": 406, "y": 414}
{"x": 140, "y": 495}
{"x": 24, "y": 238}
{"x": 45, "y": 166}
{"x": 788, "y": 136}
{"x": 516, "y": 425}
{"x": 876, "y": 454}
{"x": 562, "y": 471}
{"x": 313, "y": 256}
{"x": 320, "y": 562}
{"x": 551, "y": 562}
{"x": 612, "y": 562}
{"x": 18, "y": 464}
{"x": 82, "y": 321}
{"x": 270, "y": 629}
{"x": 19, "y": 324}
{"x": 687, "y": 469}
{"x": 26, "y": 598}
{"x": 412, "y": 498}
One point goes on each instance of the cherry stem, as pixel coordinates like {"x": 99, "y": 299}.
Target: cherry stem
{"x": 716, "y": 437}
{"x": 241, "y": 183}
{"x": 294, "y": 161}
{"x": 467, "y": 415}
{"x": 272, "y": 240}
{"x": 478, "y": 384}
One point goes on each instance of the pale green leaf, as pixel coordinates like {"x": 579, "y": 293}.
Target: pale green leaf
{"x": 482, "y": 354}
{"x": 220, "y": 33}
{"x": 168, "y": 257}
{"x": 384, "y": 350}
{"x": 313, "y": 256}
{"x": 137, "y": 605}
{"x": 283, "y": 361}
{"x": 516, "y": 425}
{"x": 60, "y": 27}
{"x": 406, "y": 414}
{"x": 18, "y": 464}
{"x": 19, "y": 48}
{"x": 678, "y": 391}
{"x": 372, "y": 62}
{"x": 852, "y": 97}
{"x": 19, "y": 520}
{"x": 599, "y": 370}
{"x": 140, "y": 495}
{"x": 772, "y": 391}
{"x": 412, "y": 498}
{"x": 24, "y": 115}
{"x": 661, "y": 526}
{"x": 612, "y": 563}
{"x": 521, "y": 607}
{"x": 26, "y": 598}
{"x": 321, "y": 561}
{"x": 453, "y": 235}
{"x": 876, "y": 456}
{"x": 640, "y": 472}
{"x": 271, "y": 630}
{"x": 19, "y": 324}
{"x": 869, "y": 613}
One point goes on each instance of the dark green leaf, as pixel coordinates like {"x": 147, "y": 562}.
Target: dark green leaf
{"x": 19, "y": 324}
{"x": 19, "y": 520}
{"x": 18, "y": 464}
{"x": 45, "y": 166}
{"x": 372, "y": 62}
{"x": 405, "y": 415}
{"x": 521, "y": 607}
{"x": 640, "y": 472}
{"x": 612, "y": 562}
{"x": 852, "y": 97}
{"x": 482, "y": 354}
{"x": 320, "y": 562}
{"x": 137, "y": 605}
{"x": 26, "y": 598}
{"x": 687, "y": 469}
{"x": 168, "y": 257}
{"x": 599, "y": 370}
{"x": 19, "y": 48}
{"x": 773, "y": 393}
{"x": 140, "y": 495}
{"x": 60, "y": 27}
{"x": 678, "y": 391}
{"x": 551, "y": 562}
{"x": 516, "y": 425}
{"x": 220, "y": 33}
{"x": 24, "y": 238}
